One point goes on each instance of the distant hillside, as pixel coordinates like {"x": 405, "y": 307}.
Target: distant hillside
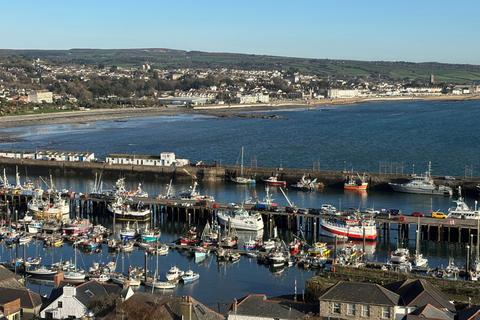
{"x": 168, "y": 58}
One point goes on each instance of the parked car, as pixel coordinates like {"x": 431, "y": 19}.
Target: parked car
{"x": 417, "y": 214}
{"x": 449, "y": 178}
{"x": 439, "y": 215}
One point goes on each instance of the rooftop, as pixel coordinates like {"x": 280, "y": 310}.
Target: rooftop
{"x": 359, "y": 292}
{"x": 257, "y": 305}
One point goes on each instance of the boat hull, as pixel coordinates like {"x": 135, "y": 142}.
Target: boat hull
{"x": 352, "y": 233}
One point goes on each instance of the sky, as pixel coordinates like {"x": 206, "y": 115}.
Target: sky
{"x": 408, "y": 30}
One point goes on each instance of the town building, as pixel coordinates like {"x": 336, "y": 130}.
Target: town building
{"x": 72, "y": 302}
{"x": 162, "y": 307}
{"x": 50, "y": 155}
{"x": 10, "y": 310}
{"x": 11, "y": 289}
{"x": 163, "y": 159}
{"x": 470, "y": 313}
{"x": 409, "y": 299}
{"x": 40, "y": 96}
{"x": 259, "y": 307}
{"x": 342, "y": 93}
{"x": 183, "y": 101}
{"x": 253, "y": 98}
{"x": 355, "y": 300}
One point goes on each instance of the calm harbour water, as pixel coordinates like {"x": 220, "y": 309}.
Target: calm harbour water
{"x": 356, "y": 136}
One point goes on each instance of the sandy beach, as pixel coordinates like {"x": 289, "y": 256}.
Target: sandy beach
{"x": 212, "y": 110}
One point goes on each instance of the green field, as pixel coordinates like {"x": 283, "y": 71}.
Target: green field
{"x": 167, "y": 58}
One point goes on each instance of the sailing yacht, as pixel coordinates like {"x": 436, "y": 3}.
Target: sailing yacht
{"x": 76, "y": 275}
{"x": 241, "y": 179}
{"x": 240, "y": 219}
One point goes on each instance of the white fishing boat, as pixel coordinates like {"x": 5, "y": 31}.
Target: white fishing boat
{"x": 305, "y": 184}
{"x": 193, "y": 194}
{"x": 128, "y": 233}
{"x": 25, "y": 239}
{"x": 174, "y": 273}
{"x": 34, "y": 227}
{"x": 123, "y": 208}
{"x": 55, "y": 207}
{"x": 268, "y": 245}
{"x": 277, "y": 259}
{"x": 190, "y": 276}
{"x": 462, "y": 210}
{"x": 422, "y": 184}
{"x": 399, "y": 256}
{"x": 240, "y": 219}
{"x": 200, "y": 254}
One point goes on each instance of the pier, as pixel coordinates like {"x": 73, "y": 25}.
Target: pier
{"x": 194, "y": 212}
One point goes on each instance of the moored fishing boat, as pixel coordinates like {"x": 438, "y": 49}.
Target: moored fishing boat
{"x": 174, "y": 273}
{"x": 147, "y": 235}
{"x": 354, "y": 227}
{"x": 356, "y": 183}
{"x": 240, "y": 219}
{"x": 422, "y": 184}
{"x": 274, "y": 182}
{"x": 306, "y": 184}
{"x": 76, "y": 227}
{"x": 190, "y": 276}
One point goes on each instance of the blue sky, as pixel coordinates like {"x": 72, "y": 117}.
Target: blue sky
{"x": 408, "y": 30}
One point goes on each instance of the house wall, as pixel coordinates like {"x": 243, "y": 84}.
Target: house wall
{"x": 71, "y": 306}
{"x": 326, "y": 310}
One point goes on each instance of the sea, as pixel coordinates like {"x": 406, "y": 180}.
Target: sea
{"x": 376, "y": 136}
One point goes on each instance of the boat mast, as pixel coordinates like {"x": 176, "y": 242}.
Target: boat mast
{"x": 417, "y": 246}
{"x": 241, "y": 162}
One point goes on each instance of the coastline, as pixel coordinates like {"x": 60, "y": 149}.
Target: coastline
{"x": 211, "y": 110}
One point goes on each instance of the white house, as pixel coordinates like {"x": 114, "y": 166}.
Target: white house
{"x": 72, "y": 302}
{"x": 39, "y": 96}
{"x": 342, "y": 93}
{"x": 67, "y": 305}
{"x": 164, "y": 159}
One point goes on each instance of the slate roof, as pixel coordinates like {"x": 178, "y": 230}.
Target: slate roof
{"x": 360, "y": 292}
{"x": 469, "y": 313}
{"x": 199, "y": 310}
{"x": 163, "y": 307}
{"x": 257, "y": 305}
{"x": 419, "y": 292}
{"x": 28, "y": 299}
{"x": 87, "y": 291}
{"x": 429, "y": 312}
{"x": 8, "y": 279}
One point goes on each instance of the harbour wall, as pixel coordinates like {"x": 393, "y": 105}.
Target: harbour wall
{"x": 331, "y": 179}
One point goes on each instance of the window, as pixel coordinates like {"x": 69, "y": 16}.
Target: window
{"x": 365, "y": 311}
{"x": 350, "y": 309}
{"x": 336, "y": 308}
{"x": 60, "y": 304}
{"x": 385, "y": 312}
